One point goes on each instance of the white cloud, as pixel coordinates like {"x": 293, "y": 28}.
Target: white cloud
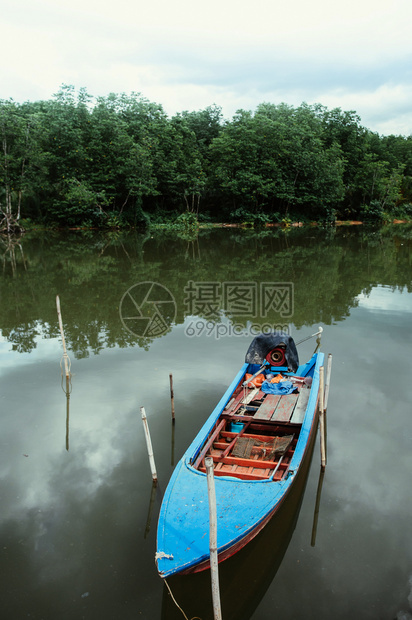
{"x": 385, "y": 299}
{"x": 386, "y": 109}
{"x": 354, "y": 54}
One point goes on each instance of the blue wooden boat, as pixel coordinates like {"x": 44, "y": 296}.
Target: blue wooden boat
{"x": 259, "y": 436}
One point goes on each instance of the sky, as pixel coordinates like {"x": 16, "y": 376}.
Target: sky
{"x": 187, "y": 55}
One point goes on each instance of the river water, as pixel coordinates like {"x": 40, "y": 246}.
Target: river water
{"x": 78, "y": 516}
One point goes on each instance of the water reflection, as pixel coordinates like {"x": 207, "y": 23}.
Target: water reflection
{"x": 317, "y": 506}
{"x": 67, "y": 390}
{"x": 93, "y": 274}
{"x": 150, "y": 511}
{"x": 9, "y": 245}
{"x": 82, "y": 521}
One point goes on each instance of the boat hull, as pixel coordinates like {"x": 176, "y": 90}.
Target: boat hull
{"x": 262, "y": 557}
{"x": 224, "y": 555}
{"x": 244, "y": 504}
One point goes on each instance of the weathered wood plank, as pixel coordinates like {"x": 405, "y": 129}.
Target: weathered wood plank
{"x": 267, "y": 408}
{"x": 250, "y": 396}
{"x": 245, "y": 475}
{"x": 300, "y": 408}
{"x": 244, "y": 462}
{"x": 285, "y": 408}
{"x": 241, "y": 399}
{"x": 209, "y": 443}
{"x": 233, "y": 404}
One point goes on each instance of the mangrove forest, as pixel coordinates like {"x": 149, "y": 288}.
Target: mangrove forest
{"x": 120, "y": 160}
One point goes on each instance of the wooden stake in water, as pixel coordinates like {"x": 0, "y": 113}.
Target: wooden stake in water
{"x": 322, "y": 418}
{"x": 327, "y": 381}
{"x": 65, "y": 356}
{"x": 67, "y": 411}
{"x": 217, "y": 613}
{"x": 149, "y": 445}
{"x": 172, "y": 397}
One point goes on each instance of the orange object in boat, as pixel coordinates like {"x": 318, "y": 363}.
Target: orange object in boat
{"x": 277, "y": 379}
{"x": 257, "y": 381}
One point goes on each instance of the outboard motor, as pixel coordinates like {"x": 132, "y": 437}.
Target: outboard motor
{"x": 277, "y": 349}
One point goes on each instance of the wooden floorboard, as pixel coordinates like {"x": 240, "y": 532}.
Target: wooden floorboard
{"x": 266, "y": 409}
{"x": 300, "y": 408}
{"x": 285, "y": 408}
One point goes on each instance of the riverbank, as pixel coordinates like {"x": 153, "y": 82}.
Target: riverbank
{"x": 31, "y": 226}
{"x": 301, "y": 224}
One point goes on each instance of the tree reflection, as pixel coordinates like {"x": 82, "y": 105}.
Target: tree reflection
{"x": 91, "y": 272}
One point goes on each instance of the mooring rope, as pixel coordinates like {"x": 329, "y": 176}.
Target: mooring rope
{"x": 68, "y": 377}
{"x": 69, "y": 363}
{"x": 177, "y": 604}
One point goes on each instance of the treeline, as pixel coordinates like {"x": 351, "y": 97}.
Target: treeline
{"x": 117, "y": 160}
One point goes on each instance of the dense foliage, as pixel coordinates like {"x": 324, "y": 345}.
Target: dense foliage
{"x": 120, "y": 159}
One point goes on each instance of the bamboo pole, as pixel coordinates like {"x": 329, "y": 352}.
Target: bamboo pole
{"x": 325, "y": 403}
{"x": 327, "y": 381}
{"x": 322, "y": 418}
{"x": 149, "y": 445}
{"x": 214, "y": 572}
{"x": 65, "y": 356}
{"x": 67, "y": 411}
{"x": 172, "y": 397}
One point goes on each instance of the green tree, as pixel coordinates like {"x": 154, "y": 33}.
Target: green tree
{"x": 276, "y": 160}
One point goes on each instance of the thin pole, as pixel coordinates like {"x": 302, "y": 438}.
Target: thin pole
{"x": 325, "y": 404}
{"x": 322, "y": 418}
{"x": 172, "y": 397}
{"x": 214, "y": 572}
{"x": 67, "y": 411}
{"x": 318, "y": 333}
{"x": 149, "y": 445}
{"x": 65, "y": 356}
{"x": 327, "y": 381}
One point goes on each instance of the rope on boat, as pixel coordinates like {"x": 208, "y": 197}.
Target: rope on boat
{"x": 177, "y": 604}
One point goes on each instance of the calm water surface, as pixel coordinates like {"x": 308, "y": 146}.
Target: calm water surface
{"x": 78, "y": 516}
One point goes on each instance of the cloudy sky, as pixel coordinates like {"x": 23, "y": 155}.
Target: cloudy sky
{"x": 186, "y": 54}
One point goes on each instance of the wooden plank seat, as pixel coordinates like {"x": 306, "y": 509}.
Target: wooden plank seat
{"x": 267, "y": 408}
{"x": 249, "y": 469}
{"x": 243, "y": 475}
{"x": 259, "y": 462}
{"x": 284, "y": 408}
{"x": 275, "y": 414}
{"x": 253, "y": 431}
{"x": 277, "y": 408}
